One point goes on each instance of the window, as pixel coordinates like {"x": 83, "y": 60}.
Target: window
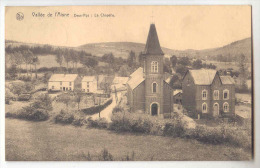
{"x": 87, "y": 84}
{"x": 52, "y": 87}
{"x": 60, "y": 88}
{"x": 204, "y": 108}
{"x": 70, "y": 88}
{"x": 154, "y": 87}
{"x": 204, "y": 95}
{"x": 226, "y": 107}
{"x": 60, "y": 83}
{"x": 216, "y": 95}
{"x": 226, "y": 94}
{"x": 87, "y": 90}
{"x": 154, "y": 66}
{"x": 70, "y": 83}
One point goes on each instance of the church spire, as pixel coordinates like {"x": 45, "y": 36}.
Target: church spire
{"x": 152, "y": 44}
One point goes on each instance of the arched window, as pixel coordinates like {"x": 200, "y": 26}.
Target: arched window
{"x": 204, "y": 94}
{"x": 204, "y": 108}
{"x": 154, "y": 66}
{"x": 226, "y": 107}
{"x": 154, "y": 87}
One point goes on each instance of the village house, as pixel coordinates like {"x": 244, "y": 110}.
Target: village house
{"x": 64, "y": 82}
{"x": 147, "y": 90}
{"x": 177, "y": 96}
{"x": 89, "y": 84}
{"x": 207, "y": 94}
{"x": 119, "y": 83}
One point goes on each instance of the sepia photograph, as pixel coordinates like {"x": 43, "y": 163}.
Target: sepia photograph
{"x": 129, "y": 83}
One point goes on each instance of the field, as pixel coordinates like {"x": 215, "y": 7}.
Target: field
{"x": 28, "y": 141}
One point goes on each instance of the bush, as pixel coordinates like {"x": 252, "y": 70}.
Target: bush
{"x": 30, "y": 113}
{"x": 105, "y": 156}
{"x": 129, "y": 122}
{"x": 96, "y": 109}
{"x": 64, "y": 118}
{"x": 25, "y": 78}
{"x": 79, "y": 121}
{"x": 98, "y": 123}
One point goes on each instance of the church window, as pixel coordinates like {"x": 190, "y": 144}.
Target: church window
{"x": 154, "y": 87}
{"x": 154, "y": 66}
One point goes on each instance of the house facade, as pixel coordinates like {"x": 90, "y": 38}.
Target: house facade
{"x": 89, "y": 84}
{"x": 205, "y": 93}
{"x": 64, "y": 82}
{"x": 147, "y": 89}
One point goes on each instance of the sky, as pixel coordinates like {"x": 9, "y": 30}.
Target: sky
{"x": 178, "y": 27}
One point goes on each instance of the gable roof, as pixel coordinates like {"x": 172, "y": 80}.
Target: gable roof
{"x": 203, "y": 76}
{"x": 136, "y": 78}
{"x": 152, "y": 44}
{"x": 63, "y": 77}
{"x": 227, "y": 80}
{"x": 88, "y": 78}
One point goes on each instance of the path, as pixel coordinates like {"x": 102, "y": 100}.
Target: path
{"x": 107, "y": 112}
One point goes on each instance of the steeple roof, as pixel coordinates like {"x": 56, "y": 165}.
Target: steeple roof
{"x": 152, "y": 44}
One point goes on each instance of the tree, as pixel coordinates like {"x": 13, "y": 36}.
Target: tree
{"x": 89, "y": 62}
{"x": 131, "y": 59}
{"x": 27, "y": 56}
{"x": 124, "y": 71}
{"x": 59, "y": 57}
{"x": 78, "y": 97}
{"x": 185, "y": 61}
{"x": 181, "y": 69}
{"x": 67, "y": 57}
{"x": 36, "y": 62}
{"x": 197, "y": 64}
{"x": 43, "y": 101}
{"x": 65, "y": 98}
{"x": 173, "y": 60}
{"x": 12, "y": 71}
{"x": 243, "y": 68}
{"x": 17, "y": 88}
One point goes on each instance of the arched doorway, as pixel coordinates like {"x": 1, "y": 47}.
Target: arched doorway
{"x": 216, "y": 110}
{"x": 154, "y": 109}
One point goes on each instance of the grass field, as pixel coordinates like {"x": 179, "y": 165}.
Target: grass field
{"x": 28, "y": 141}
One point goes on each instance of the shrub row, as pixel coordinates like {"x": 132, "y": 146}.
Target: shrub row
{"x": 141, "y": 123}
{"x": 96, "y": 109}
{"x": 74, "y": 118}
{"x": 29, "y": 113}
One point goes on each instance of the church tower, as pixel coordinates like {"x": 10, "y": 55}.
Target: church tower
{"x": 153, "y": 73}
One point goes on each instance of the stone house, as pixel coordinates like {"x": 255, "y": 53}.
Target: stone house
{"x": 206, "y": 93}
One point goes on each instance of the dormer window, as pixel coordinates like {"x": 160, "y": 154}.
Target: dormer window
{"x": 154, "y": 66}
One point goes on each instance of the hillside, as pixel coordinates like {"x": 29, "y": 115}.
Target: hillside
{"x": 119, "y": 49}
{"x": 122, "y": 49}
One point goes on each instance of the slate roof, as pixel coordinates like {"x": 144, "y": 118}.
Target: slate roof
{"x": 136, "y": 78}
{"x": 88, "y": 78}
{"x": 63, "y": 77}
{"x": 152, "y": 44}
{"x": 227, "y": 80}
{"x": 203, "y": 76}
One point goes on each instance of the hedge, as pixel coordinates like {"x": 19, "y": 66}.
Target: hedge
{"x": 96, "y": 109}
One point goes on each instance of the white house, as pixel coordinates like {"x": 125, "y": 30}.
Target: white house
{"x": 89, "y": 84}
{"x": 64, "y": 82}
